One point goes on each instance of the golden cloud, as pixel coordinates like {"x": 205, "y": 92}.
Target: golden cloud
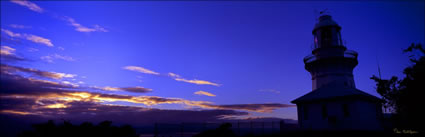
{"x": 15, "y": 112}
{"x": 6, "y": 50}
{"x": 195, "y": 81}
{"x": 204, "y": 93}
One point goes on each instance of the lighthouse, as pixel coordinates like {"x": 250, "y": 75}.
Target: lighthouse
{"x": 334, "y": 102}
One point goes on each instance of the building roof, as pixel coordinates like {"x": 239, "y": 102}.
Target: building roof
{"x": 334, "y": 91}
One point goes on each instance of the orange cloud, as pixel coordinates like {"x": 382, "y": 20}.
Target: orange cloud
{"x": 58, "y": 105}
{"x": 15, "y": 112}
{"x": 39, "y": 95}
{"x": 195, "y": 81}
{"x": 199, "y": 82}
{"x": 69, "y": 97}
{"x": 204, "y": 93}
{"x": 6, "y": 50}
{"x": 66, "y": 99}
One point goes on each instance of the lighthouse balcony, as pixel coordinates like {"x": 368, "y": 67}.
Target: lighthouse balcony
{"x": 347, "y": 54}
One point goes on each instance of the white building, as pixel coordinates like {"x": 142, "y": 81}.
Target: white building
{"x": 335, "y": 103}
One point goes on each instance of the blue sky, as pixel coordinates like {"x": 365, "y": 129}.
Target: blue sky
{"x": 242, "y": 52}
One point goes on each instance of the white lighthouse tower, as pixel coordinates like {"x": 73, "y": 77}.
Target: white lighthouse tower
{"x": 334, "y": 102}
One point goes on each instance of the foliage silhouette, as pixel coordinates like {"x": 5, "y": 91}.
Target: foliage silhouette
{"x": 86, "y": 129}
{"x": 404, "y": 97}
{"x": 223, "y": 131}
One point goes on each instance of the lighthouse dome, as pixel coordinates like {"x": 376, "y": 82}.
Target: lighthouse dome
{"x": 325, "y": 21}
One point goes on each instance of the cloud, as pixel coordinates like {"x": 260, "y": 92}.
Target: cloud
{"x": 38, "y": 100}
{"x": 66, "y": 97}
{"x": 75, "y": 85}
{"x": 30, "y": 37}
{"x": 6, "y": 50}
{"x": 43, "y": 97}
{"x": 107, "y": 88}
{"x": 10, "y": 33}
{"x": 15, "y": 84}
{"x": 29, "y": 5}
{"x": 45, "y": 91}
{"x": 263, "y": 108}
{"x": 141, "y": 70}
{"x": 14, "y": 112}
{"x": 204, "y": 93}
{"x": 9, "y": 40}
{"x": 195, "y": 81}
{"x": 45, "y": 74}
{"x": 47, "y": 58}
{"x": 47, "y": 83}
{"x": 17, "y": 26}
{"x": 136, "y": 89}
{"x": 173, "y": 75}
{"x": 61, "y": 48}
{"x": 170, "y": 74}
{"x": 269, "y": 90}
{"x": 95, "y": 112}
{"x": 51, "y": 58}
{"x": 199, "y": 82}
{"x": 8, "y": 54}
{"x": 80, "y": 28}
{"x": 38, "y": 39}
{"x": 32, "y": 50}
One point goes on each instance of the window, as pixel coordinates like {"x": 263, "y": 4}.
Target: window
{"x": 325, "y": 37}
{"x": 305, "y": 112}
{"x": 324, "y": 111}
{"x": 345, "y": 110}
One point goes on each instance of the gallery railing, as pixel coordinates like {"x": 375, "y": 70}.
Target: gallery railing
{"x": 347, "y": 54}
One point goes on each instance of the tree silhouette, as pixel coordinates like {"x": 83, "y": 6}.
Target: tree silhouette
{"x": 404, "y": 97}
{"x": 86, "y": 129}
{"x": 223, "y": 131}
